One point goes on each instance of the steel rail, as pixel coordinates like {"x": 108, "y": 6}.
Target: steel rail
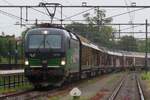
{"x": 116, "y": 91}
{"x": 7, "y": 96}
{"x": 140, "y": 89}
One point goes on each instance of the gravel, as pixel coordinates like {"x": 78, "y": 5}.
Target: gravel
{"x": 129, "y": 90}
{"x": 94, "y": 89}
{"x": 146, "y": 88}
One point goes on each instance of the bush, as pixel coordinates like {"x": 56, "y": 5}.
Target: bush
{"x": 145, "y": 76}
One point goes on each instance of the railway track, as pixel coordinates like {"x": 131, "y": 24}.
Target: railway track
{"x": 129, "y": 88}
{"x": 11, "y": 95}
{"x": 46, "y": 93}
{"x": 34, "y": 94}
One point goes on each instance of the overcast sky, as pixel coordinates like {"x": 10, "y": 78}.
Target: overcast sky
{"x": 7, "y": 23}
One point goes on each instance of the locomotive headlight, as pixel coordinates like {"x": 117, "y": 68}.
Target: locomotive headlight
{"x": 45, "y": 32}
{"x": 63, "y": 62}
{"x": 26, "y": 62}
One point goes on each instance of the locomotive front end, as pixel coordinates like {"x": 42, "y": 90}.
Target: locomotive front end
{"x": 45, "y": 56}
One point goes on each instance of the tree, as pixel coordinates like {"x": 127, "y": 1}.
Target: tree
{"x": 78, "y": 28}
{"x": 3, "y": 45}
{"x": 7, "y": 46}
{"x": 127, "y": 43}
{"x": 98, "y": 19}
{"x": 94, "y": 30}
{"x": 141, "y": 45}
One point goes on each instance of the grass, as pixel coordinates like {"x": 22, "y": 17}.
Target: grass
{"x": 90, "y": 81}
{"x": 16, "y": 89}
{"x": 59, "y": 98}
{"x": 145, "y": 76}
{"x": 11, "y": 79}
{"x": 5, "y": 60}
{"x": 114, "y": 77}
{"x": 55, "y": 98}
{"x": 18, "y": 86}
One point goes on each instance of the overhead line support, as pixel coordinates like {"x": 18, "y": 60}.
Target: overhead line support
{"x": 37, "y": 6}
{"x": 146, "y": 45}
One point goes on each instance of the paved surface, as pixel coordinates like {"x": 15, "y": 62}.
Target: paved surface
{"x": 4, "y": 72}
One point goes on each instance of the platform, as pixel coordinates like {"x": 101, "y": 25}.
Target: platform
{"x": 5, "y": 72}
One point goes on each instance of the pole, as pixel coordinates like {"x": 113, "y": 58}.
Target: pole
{"x": 9, "y": 52}
{"x": 119, "y": 31}
{"x": 16, "y": 52}
{"x": 61, "y": 16}
{"x": 22, "y": 50}
{"x": 98, "y": 14}
{"x": 146, "y": 44}
{"x": 21, "y": 16}
{"x": 26, "y": 14}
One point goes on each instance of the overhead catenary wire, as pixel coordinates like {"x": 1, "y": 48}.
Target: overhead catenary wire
{"x": 130, "y": 27}
{"x": 117, "y": 15}
{"x": 128, "y": 10}
{"x": 92, "y": 8}
{"x": 31, "y": 8}
{"x": 44, "y": 13}
{"x": 66, "y": 17}
{"x": 78, "y": 13}
{"x": 20, "y": 17}
{"x": 11, "y": 15}
{"x": 84, "y": 12}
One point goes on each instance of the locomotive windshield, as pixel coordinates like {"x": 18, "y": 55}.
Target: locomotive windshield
{"x": 53, "y": 41}
{"x": 45, "y": 41}
{"x": 36, "y": 41}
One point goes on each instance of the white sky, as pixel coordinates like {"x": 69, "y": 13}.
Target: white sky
{"x": 7, "y": 23}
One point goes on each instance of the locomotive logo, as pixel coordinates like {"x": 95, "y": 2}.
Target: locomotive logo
{"x": 32, "y": 55}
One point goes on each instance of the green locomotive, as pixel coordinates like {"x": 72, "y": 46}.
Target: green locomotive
{"x": 54, "y": 55}
{"x": 50, "y": 55}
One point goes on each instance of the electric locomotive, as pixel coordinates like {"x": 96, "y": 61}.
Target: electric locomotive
{"x": 51, "y": 54}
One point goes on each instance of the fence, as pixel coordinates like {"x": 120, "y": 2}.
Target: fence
{"x": 12, "y": 80}
{"x": 11, "y": 66}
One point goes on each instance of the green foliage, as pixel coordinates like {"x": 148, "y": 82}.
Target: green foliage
{"x": 3, "y": 45}
{"x": 145, "y": 76}
{"x": 127, "y": 43}
{"x": 7, "y": 44}
{"x": 141, "y": 45}
{"x": 17, "y": 88}
{"x": 94, "y": 29}
{"x": 8, "y": 49}
{"x": 96, "y": 32}
{"x": 78, "y": 28}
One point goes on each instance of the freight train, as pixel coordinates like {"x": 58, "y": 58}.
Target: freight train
{"x": 54, "y": 55}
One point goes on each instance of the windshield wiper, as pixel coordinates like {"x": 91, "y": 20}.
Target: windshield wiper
{"x": 37, "y": 50}
{"x": 48, "y": 44}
